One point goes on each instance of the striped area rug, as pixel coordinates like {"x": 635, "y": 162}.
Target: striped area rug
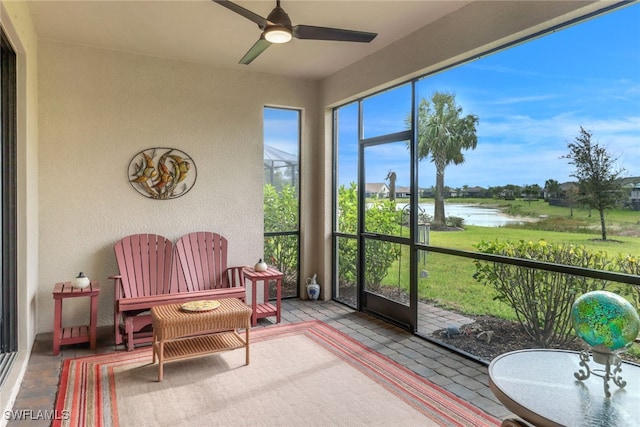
{"x": 300, "y": 374}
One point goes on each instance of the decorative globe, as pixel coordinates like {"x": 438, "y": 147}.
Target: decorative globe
{"x": 605, "y": 320}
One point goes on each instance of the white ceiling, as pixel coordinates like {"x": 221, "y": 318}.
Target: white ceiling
{"x": 204, "y": 32}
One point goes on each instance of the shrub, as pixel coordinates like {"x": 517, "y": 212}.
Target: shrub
{"x": 455, "y": 221}
{"x": 281, "y": 214}
{"x": 629, "y": 264}
{"x": 382, "y": 217}
{"x": 541, "y": 299}
{"x": 280, "y": 208}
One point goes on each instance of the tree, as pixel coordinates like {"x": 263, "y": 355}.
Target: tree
{"x": 391, "y": 177}
{"x": 531, "y": 192}
{"x": 571, "y": 194}
{"x": 553, "y": 188}
{"x": 443, "y": 133}
{"x": 495, "y": 191}
{"x": 512, "y": 191}
{"x": 598, "y": 182}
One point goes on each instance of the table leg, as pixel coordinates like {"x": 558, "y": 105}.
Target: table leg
{"x": 57, "y": 326}
{"x": 160, "y": 360}
{"x": 254, "y": 298}
{"x": 246, "y": 339}
{"x": 93, "y": 322}
{"x": 278, "y": 299}
{"x": 154, "y": 345}
{"x": 265, "y": 295}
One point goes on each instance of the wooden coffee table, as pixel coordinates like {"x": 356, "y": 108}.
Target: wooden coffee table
{"x": 180, "y": 334}
{"x": 539, "y": 386}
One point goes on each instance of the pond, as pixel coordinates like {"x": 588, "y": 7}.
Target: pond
{"x": 474, "y": 214}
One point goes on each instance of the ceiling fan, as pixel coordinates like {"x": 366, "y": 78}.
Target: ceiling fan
{"x": 277, "y": 28}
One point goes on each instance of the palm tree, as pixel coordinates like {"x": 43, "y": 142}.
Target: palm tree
{"x": 553, "y": 187}
{"x": 391, "y": 177}
{"x": 443, "y": 134}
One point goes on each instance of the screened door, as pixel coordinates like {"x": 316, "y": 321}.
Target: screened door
{"x": 385, "y": 238}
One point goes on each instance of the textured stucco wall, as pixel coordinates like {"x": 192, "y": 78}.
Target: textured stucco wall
{"x": 98, "y": 108}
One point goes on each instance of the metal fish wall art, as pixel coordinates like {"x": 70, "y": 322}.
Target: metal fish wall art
{"x": 162, "y": 173}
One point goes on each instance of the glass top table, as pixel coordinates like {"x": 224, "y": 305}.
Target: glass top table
{"x": 540, "y": 387}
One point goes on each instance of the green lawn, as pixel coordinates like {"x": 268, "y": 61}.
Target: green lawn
{"x": 540, "y": 207}
{"x": 450, "y": 283}
{"x": 472, "y": 235}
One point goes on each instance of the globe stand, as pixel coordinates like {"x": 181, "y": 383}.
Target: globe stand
{"x": 607, "y": 358}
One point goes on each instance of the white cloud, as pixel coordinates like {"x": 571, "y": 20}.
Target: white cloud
{"x": 521, "y": 99}
{"x": 521, "y": 150}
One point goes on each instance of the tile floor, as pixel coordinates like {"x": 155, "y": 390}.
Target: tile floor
{"x": 465, "y": 378}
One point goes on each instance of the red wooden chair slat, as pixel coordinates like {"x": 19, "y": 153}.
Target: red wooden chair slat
{"x": 202, "y": 244}
{"x": 198, "y": 244}
{"x": 144, "y": 265}
{"x": 222, "y": 261}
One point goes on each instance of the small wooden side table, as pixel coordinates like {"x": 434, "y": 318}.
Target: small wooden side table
{"x": 74, "y": 334}
{"x": 264, "y": 309}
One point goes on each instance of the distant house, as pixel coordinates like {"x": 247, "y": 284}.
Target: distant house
{"x": 566, "y": 195}
{"x": 568, "y": 187}
{"x": 426, "y": 192}
{"x": 376, "y": 189}
{"x": 474, "y": 192}
{"x": 452, "y": 192}
{"x": 507, "y": 195}
{"x": 403, "y": 192}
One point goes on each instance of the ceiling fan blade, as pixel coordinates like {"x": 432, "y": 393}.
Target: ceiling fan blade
{"x": 325, "y": 33}
{"x": 262, "y": 22}
{"x": 258, "y": 47}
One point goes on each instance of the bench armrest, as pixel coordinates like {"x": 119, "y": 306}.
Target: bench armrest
{"x": 117, "y": 286}
{"x": 235, "y": 277}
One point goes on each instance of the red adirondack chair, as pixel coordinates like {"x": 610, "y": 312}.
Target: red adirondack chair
{"x": 144, "y": 264}
{"x": 202, "y": 259}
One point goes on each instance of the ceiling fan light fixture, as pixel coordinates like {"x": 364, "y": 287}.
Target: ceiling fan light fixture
{"x": 277, "y": 34}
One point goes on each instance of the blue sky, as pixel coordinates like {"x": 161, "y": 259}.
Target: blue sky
{"x": 281, "y": 129}
{"x": 531, "y": 101}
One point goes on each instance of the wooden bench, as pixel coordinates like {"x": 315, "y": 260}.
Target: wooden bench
{"x": 153, "y": 271}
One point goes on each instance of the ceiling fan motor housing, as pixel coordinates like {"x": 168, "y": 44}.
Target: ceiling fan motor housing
{"x": 280, "y": 18}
